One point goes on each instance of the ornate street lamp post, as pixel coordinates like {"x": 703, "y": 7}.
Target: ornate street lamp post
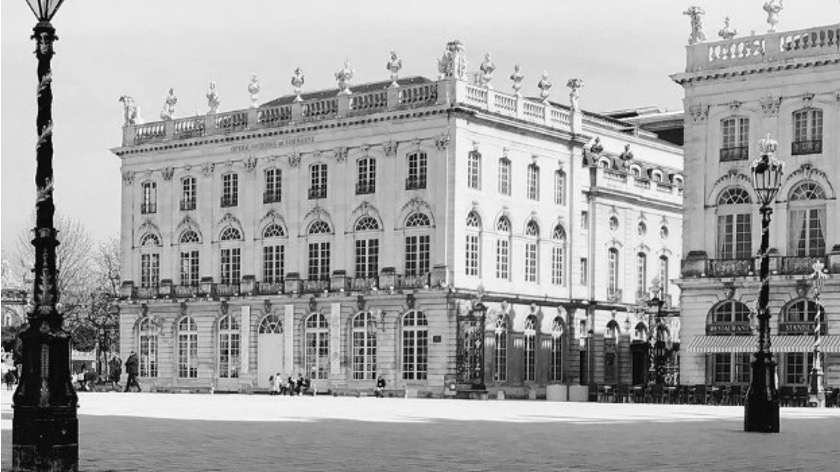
{"x": 817, "y": 390}
{"x": 761, "y": 407}
{"x": 45, "y": 432}
{"x": 655, "y": 356}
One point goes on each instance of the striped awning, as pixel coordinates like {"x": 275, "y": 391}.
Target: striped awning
{"x": 750, "y": 344}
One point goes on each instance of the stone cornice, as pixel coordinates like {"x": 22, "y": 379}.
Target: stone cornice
{"x": 685, "y": 78}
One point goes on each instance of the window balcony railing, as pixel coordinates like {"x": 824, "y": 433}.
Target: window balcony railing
{"x": 270, "y": 288}
{"x": 413, "y": 281}
{"x": 227, "y": 290}
{"x": 188, "y": 205}
{"x": 813, "y": 146}
{"x": 415, "y": 183}
{"x": 799, "y": 265}
{"x": 146, "y": 292}
{"x": 147, "y": 208}
{"x": 736, "y": 153}
{"x": 317, "y": 192}
{"x": 730, "y": 267}
{"x": 271, "y": 197}
{"x": 230, "y": 201}
{"x": 365, "y": 187}
{"x": 186, "y": 291}
{"x": 615, "y": 296}
{"x": 316, "y": 285}
{"x": 362, "y": 284}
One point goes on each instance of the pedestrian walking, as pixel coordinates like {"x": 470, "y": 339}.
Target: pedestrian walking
{"x": 116, "y": 372}
{"x": 9, "y": 377}
{"x": 277, "y": 383}
{"x": 131, "y": 368}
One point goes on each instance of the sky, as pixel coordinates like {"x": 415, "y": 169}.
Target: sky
{"x": 624, "y": 50}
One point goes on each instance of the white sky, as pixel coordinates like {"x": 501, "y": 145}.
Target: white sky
{"x": 624, "y": 51}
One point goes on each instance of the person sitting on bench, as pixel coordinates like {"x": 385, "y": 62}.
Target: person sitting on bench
{"x": 380, "y": 386}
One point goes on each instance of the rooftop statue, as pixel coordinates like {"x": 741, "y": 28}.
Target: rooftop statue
{"x": 131, "y": 112}
{"x": 727, "y": 32}
{"x": 574, "y": 95}
{"x": 517, "y": 78}
{"x": 453, "y": 63}
{"x": 344, "y": 76}
{"x": 772, "y": 8}
{"x": 254, "y": 90}
{"x": 595, "y": 145}
{"x": 697, "y": 34}
{"x": 487, "y": 68}
{"x": 627, "y": 154}
{"x": 394, "y": 65}
{"x": 168, "y": 110}
{"x": 213, "y": 100}
{"x": 297, "y": 82}
{"x": 544, "y": 85}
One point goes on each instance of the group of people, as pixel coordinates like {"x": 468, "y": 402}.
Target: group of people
{"x": 292, "y": 387}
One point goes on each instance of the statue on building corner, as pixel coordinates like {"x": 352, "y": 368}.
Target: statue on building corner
{"x": 575, "y": 85}
{"x": 344, "y": 76}
{"x": 453, "y": 63}
{"x": 517, "y": 77}
{"x": 487, "y": 68}
{"x": 627, "y": 155}
{"x": 254, "y": 90}
{"x": 394, "y": 66}
{"x": 213, "y": 100}
{"x": 727, "y": 32}
{"x": 772, "y": 8}
{"x": 544, "y": 85}
{"x": 168, "y": 110}
{"x": 697, "y": 35}
{"x": 297, "y": 82}
{"x": 131, "y": 112}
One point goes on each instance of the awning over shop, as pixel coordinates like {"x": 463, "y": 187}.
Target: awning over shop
{"x": 750, "y": 344}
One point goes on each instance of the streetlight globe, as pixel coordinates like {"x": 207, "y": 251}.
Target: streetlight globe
{"x": 44, "y": 10}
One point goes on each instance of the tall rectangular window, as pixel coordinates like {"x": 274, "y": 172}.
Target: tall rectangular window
{"x": 735, "y": 136}
{"x": 319, "y": 261}
{"x": 742, "y": 367}
{"x": 230, "y": 189}
{"x": 149, "y": 270}
{"x": 149, "y": 204}
{"x": 663, "y": 274}
{"x": 366, "y": 173}
{"x": 584, "y": 271}
{"x": 504, "y": 176}
{"x": 584, "y": 220}
{"x": 472, "y": 255}
{"x": 503, "y": 258}
{"x": 531, "y": 262}
{"x": 530, "y": 357}
{"x": 533, "y": 182}
{"x": 560, "y": 187}
{"x": 230, "y": 265}
{"x": 556, "y": 358}
{"x": 317, "y": 181}
{"x": 474, "y": 170}
{"x": 735, "y": 236}
{"x": 641, "y": 273}
{"x": 807, "y": 237}
{"x": 723, "y": 367}
{"x": 416, "y": 171}
{"x": 417, "y": 255}
{"x": 795, "y": 372}
{"x": 188, "y": 193}
{"x": 189, "y": 268}
{"x": 273, "y": 186}
{"x": 367, "y": 258}
{"x": 612, "y": 270}
{"x": 557, "y": 265}
{"x": 274, "y": 259}
{"x": 807, "y": 132}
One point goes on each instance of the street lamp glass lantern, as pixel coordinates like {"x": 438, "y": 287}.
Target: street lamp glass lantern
{"x": 44, "y": 10}
{"x": 767, "y": 172}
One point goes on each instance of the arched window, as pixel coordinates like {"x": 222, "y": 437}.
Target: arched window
{"x": 640, "y": 332}
{"x": 807, "y": 220}
{"x": 473, "y": 244}
{"x": 557, "y": 350}
{"x": 367, "y": 248}
{"x": 417, "y": 219}
{"x": 800, "y": 311}
{"x": 417, "y": 245}
{"x": 319, "y": 251}
{"x": 612, "y": 271}
{"x": 530, "y": 354}
{"x": 271, "y": 324}
{"x": 532, "y": 232}
{"x": 500, "y": 349}
{"x": 474, "y": 170}
{"x": 317, "y": 354}
{"x": 734, "y": 224}
{"x": 274, "y": 231}
{"x": 231, "y": 234}
{"x": 228, "y": 348}
{"x": 150, "y": 239}
{"x": 415, "y": 346}
{"x": 612, "y": 330}
{"x": 148, "y": 342}
{"x": 503, "y": 248}
{"x": 364, "y": 346}
{"x": 274, "y": 254}
{"x": 367, "y": 223}
{"x": 189, "y": 237}
{"x": 533, "y": 182}
{"x": 732, "y": 312}
{"x": 187, "y": 348}
{"x": 560, "y": 187}
{"x": 807, "y": 132}
{"x": 319, "y": 227}
{"x": 558, "y": 243}
{"x": 735, "y": 138}
{"x": 734, "y": 196}
{"x": 642, "y": 228}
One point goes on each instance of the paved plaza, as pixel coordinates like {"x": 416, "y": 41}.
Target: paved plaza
{"x": 257, "y": 432}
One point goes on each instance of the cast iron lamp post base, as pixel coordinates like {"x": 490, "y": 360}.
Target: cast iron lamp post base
{"x": 761, "y": 405}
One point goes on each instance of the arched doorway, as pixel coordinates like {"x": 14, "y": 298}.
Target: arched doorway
{"x": 269, "y": 349}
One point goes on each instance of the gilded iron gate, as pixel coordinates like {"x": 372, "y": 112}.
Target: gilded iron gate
{"x": 470, "y": 354}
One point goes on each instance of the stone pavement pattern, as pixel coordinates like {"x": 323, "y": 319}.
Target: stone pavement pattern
{"x": 256, "y": 432}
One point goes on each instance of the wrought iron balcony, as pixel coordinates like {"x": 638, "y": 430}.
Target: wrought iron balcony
{"x": 730, "y": 267}
{"x": 365, "y": 187}
{"x": 147, "y": 208}
{"x": 227, "y": 290}
{"x": 413, "y": 281}
{"x": 316, "y": 285}
{"x": 317, "y": 192}
{"x": 799, "y": 265}
{"x": 362, "y": 284}
{"x": 146, "y": 292}
{"x": 187, "y": 205}
{"x": 186, "y": 291}
{"x": 271, "y": 196}
{"x": 736, "y": 153}
{"x": 230, "y": 201}
{"x": 270, "y": 288}
{"x": 813, "y": 146}
{"x": 415, "y": 183}
{"x": 615, "y": 296}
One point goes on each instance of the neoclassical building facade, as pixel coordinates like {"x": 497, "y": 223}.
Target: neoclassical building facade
{"x": 345, "y": 233}
{"x": 738, "y": 91}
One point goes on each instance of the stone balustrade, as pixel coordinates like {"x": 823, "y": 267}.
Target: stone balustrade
{"x": 770, "y": 47}
{"x": 626, "y": 182}
{"x": 779, "y": 265}
{"x": 428, "y": 94}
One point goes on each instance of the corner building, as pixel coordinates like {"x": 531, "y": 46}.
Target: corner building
{"x": 737, "y": 91}
{"x": 343, "y": 235}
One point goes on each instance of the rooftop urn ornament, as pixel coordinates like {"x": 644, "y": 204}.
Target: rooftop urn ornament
{"x": 697, "y": 34}
{"x": 727, "y": 32}
{"x": 254, "y": 90}
{"x": 394, "y": 66}
{"x": 344, "y": 76}
{"x": 453, "y": 63}
{"x": 297, "y": 82}
{"x": 487, "y": 68}
{"x": 168, "y": 110}
{"x": 773, "y": 8}
{"x": 131, "y": 112}
{"x": 213, "y": 100}
{"x": 517, "y": 78}
{"x": 544, "y": 85}
{"x": 575, "y": 85}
